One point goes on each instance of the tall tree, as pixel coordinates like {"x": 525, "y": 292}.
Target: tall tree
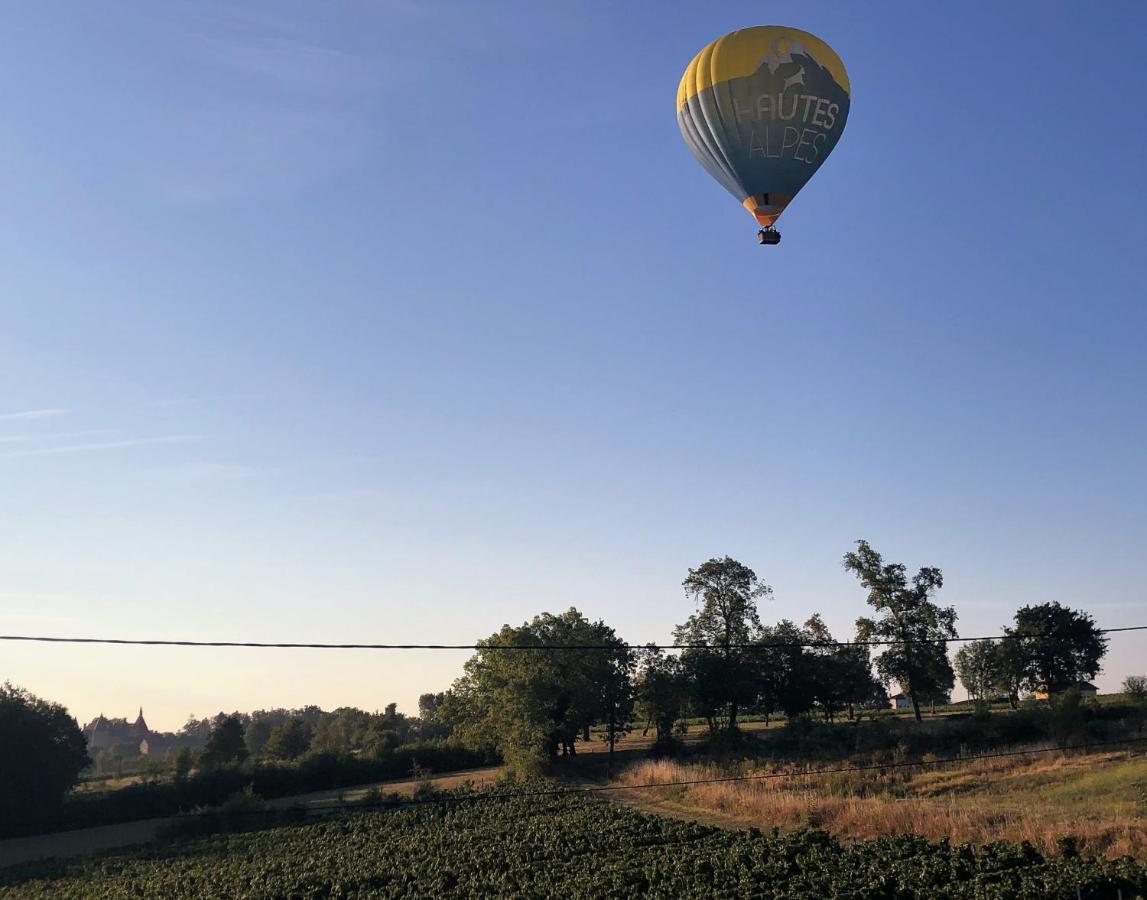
{"x": 1059, "y": 646}
{"x": 225, "y": 744}
{"x": 978, "y": 664}
{"x": 839, "y": 676}
{"x": 723, "y": 670}
{"x": 42, "y": 752}
{"x": 918, "y": 661}
{"x": 660, "y": 694}
{"x": 1011, "y": 670}
{"x": 289, "y": 740}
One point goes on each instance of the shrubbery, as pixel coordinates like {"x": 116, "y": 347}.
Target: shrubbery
{"x": 313, "y": 772}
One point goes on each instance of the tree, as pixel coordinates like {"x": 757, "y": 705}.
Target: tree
{"x": 225, "y": 744}
{"x": 918, "y": 660}
{"x": 289, "y": 740}
{"x": 660, "y": 695}
{"x": 1057, "y": 647}
{"x": 836, "y": 676}
{"x": 42, "y": 752}
{"x": 184, "y": 763}
{"x": 979, "y": 666}
{"x": 1011, "y": 670}
{"x": 1135, "y": 687}
{"x": 531, "y": 704}
{"x": 430, "y": 723}
{"x": 723, "y": 671}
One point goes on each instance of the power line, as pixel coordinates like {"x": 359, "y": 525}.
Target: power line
{"x": 620, "y": 646}
{"x": 598, "y": 789}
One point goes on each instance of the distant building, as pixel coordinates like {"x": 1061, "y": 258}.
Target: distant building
{"x": 1086, "y": 690}
{"x": 103, "y": 733}
{"x": 900, "y": 701}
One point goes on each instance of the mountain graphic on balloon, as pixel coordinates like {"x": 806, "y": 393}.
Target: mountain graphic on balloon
{"x": 761, "y": 109}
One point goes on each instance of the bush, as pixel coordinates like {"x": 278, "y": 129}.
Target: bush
{"x": 42, "y": 752}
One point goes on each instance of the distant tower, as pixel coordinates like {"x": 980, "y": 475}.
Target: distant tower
{"x": 139, "y": 728}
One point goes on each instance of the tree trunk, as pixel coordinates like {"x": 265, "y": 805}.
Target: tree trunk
{"x": 733, "y": 716}
{"x": 612, "y": 738}
{"x": 585, "y": 732}
{"x": 915, "y": 705}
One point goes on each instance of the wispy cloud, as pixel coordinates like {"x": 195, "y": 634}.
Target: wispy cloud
{"x": 31, "y": 414}
{"x": 104, "y": 445}
{"x": 33, "y": 437}
{"x": 274, "y": 106}
{"x": 213, "y": 471}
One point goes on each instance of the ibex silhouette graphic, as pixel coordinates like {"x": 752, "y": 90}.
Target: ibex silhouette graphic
{"x": 798, "y": 78}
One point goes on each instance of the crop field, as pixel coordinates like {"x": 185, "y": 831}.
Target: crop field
{"x": 569, "y": 846}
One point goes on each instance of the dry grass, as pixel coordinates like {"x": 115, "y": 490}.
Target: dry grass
{"x": 1098, "y": 798}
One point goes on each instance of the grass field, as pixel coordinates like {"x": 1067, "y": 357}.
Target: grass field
{"x": 1099, "y": 798}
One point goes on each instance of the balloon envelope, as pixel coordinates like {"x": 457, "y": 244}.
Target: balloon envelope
{"x": 761, "y": 109}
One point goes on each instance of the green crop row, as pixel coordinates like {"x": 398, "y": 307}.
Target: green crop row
{"x": 566, "y": 847}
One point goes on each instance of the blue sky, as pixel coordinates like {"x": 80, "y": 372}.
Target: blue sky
{"x": 397, "y": 321}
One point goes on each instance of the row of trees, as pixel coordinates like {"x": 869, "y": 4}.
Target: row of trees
{"x": 533, "y": 705}
{"x": 1050, "y": 649}
{"x": 289, "y": 733}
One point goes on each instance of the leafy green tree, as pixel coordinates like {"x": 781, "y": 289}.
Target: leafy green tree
{"x": 979, "y": 665}
{"x": 724, "y": 673}
{"x": 919, "y": 661}
{"x": 836, "y": 677}
{"x": 42, "y": 752}
{"x": 529, "y": 705}
{"x": 786, "y": 679}
{"x": 1057, "y": 647}
{"x": 257, "y": 733}
{"x": 225, "y": 744}
{"x": 184, "y": 763}
{"x": 431, "y": 725}
{"x": 289, "y": 740}
{"x": 661, "y": 694}
{"x": 1011, "y": 670}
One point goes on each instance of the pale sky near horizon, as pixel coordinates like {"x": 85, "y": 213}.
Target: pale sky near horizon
{"x": 396, "y": 321}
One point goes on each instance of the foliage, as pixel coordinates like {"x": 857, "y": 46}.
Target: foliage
{"x": 289, "y": 740}
{"x": 42, "y": 752}
{"x": 1135, "y": 687}
{"x": 225, "y": 744}
{"x": 210, "y": 787}
{"x": 838, "y": 677}
{"x": 920, "y": 664}
{"x": 184, "y": 763}
{"x": 530, "y": 704}
{"x": 723, "y": 674}
{"x": 1057, "y": 647}
{"x": 978, "y": 665}
{"x": 661, "y": 692}
{"x": 572, "y": 847}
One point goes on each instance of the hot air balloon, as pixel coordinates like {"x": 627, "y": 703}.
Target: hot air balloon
{"x": 761, "y": 109}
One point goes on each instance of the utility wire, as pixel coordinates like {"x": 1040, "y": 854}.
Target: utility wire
{"x": 599, "y": 789}
{"x": 762, "y": 645}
